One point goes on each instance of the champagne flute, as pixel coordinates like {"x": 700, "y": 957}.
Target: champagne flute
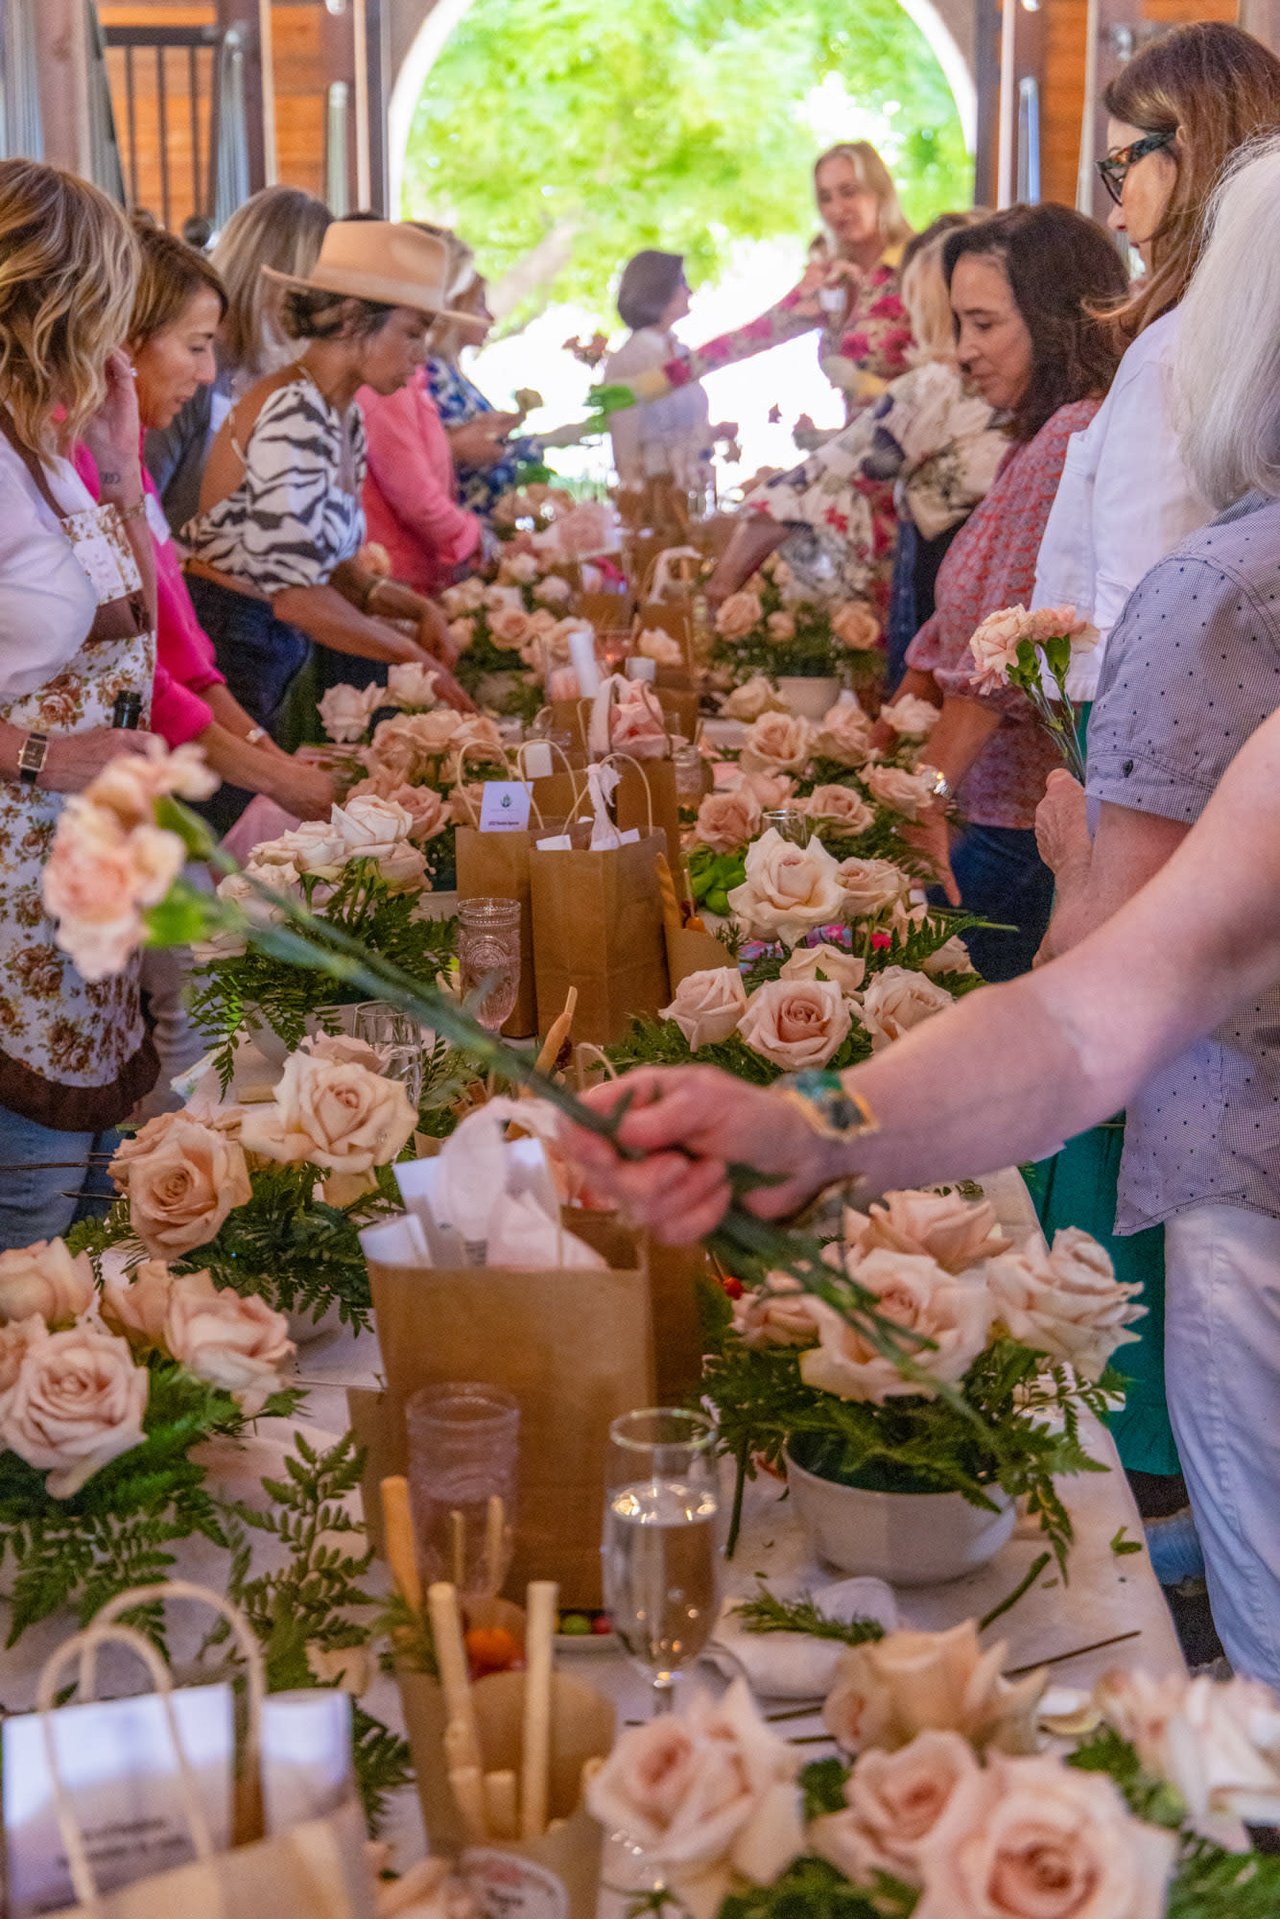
{"x": 661, "y": 1545}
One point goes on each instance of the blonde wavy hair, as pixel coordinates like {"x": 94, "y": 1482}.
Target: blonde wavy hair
{"x": 874, "y": 175}
{"x": 281, "y": 228}
{"x": 448, "y": 337}
{"x": 68, "y": 270}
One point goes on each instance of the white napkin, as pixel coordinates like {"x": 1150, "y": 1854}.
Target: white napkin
{"x": 795, "y": 1665}
{"x": 614, "y": 688}
{"x": 602, "y": 784}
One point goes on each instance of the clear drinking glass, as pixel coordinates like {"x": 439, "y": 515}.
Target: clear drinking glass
{"x": 789, "y": 823}
{"x": 463, "y": 1445}
{"x": 489, "y": 956}
{"x": 661, "y": 1547}
{"x": 378, "y": 1024}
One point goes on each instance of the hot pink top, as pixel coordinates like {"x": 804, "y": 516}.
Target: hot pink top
{"x": 185, "y": 663}
{"x": 410, "y": 490}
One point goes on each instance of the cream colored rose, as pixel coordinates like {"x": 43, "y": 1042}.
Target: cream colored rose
{"x": 465, "y": 597}
{"x": 781, "y": 628}
{"x": 43, "y": 1278}
{"x": 236, "y": 1343}
{"x": 130, "y": 785}
{"x": 16, "y": 1341}
{"x": 461, "y": 632}
{"x": 1217, "y": 1743}
{"x": 477, "y": 732}
{"x": 779, "y": 1314}
{"x": 1068, "y": 1302}
{"x": 856, "y": 627}
{"x": 727, "y": 821}
{"x": 839, "y": 806}
{"x": 777, "y": 743}
{"x": 337, "y": 1115}
{"x": 844, "y": 734}
{"x": 737, "y": 615}
{"x": 754, "y": 697}
{"x": 655, "y": 644}
{"x": 769, "y": 789}
{"x": 898, "y": 999}
{"x": 1034, "y": 1839}
{"x": 314, "y": 847}
{"x": 871, "y": 887}
{"x": 77, "y": 1403}
{"x": 894, "y": 1801}
{"x": 412, "y": 745}
{"x": 913, "y": 718}
{"x": 372, "y": 828}
{"x": 345, "y": 711}
{"x": 99, "y": 879}
{"x": 995, "y": 644}
{"x": 956, "y": 1232}
{"x": 831, "y": 962}
{"x": 553, "y": 591}
{"x": 892, "y": 1689}
{"x": 918, "y": 1295}
{"x": 181, "y": 1180}
{"x": 708, "y": 1005}
{"x": 520, "y": 568}
{"x": 411, "y": 683}
{"x": 951, "y": 958}
{"x": 796, "y": 1023}
{"x": 709, "y": 1795}
{"x": 135, "y": 1303}
{"x": 509, "y": 628}
{"x": 787, "y": 889}
{"x": 907, "y": 793}
{"x": 429, "y": 812}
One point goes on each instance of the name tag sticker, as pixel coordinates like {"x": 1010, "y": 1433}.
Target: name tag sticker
{"x": 504, "y": 807}
{"x": 156, "y": 521}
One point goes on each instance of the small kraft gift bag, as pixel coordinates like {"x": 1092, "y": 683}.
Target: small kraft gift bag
{"x": 597, "y": 923}
{"x": 128, "y": 1805}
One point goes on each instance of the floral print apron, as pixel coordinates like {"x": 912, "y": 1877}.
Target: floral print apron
{"x": 73, "y": 1056}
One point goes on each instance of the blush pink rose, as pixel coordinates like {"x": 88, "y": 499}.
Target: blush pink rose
{"x": 796, "y": 1023}
{"x": 77, "y": 1403}
{"x": 235, "y": 1342}
{"x": 737, "y": 615}
{"x": 727, "y": 821}
{"x": 708, "y": 1005}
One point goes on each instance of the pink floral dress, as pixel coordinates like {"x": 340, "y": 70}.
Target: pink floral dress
{"x": 73, "y": 1056}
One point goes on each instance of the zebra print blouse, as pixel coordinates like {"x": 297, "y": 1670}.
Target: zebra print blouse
{"x": 297, "y": 512}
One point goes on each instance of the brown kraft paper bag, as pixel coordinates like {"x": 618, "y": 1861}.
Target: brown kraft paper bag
{"x": 597, "y": 925}
{"x": 574, "y": 1347}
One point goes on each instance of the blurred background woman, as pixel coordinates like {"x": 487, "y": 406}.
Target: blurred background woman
{"x": 77, "y": 607}
{"x": 670, "y": 438}
{"x": 280, "y": 228}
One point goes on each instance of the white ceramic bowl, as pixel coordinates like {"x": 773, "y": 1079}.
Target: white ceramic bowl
{"x": 908, "y": 1539}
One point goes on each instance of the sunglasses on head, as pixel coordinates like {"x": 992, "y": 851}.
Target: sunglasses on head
{"x": 1115, "y": 167}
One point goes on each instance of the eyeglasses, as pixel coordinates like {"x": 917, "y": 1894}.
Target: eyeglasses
{"x": 1115, "y": 167}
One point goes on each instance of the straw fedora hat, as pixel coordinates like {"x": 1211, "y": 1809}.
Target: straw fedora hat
{"x": 383, "y": 260}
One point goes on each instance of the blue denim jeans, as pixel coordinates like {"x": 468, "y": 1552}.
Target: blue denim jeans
{"x": 259, "y": 654}
{"x": 1001, "y": 876}
{"x": 48, "y": 1179}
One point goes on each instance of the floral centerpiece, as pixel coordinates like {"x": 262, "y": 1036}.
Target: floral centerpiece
{"x": 510, "y": 634}
{"x": 946, "y": 1809}
{"x": 767, "y": 629}
{"x": 107, "y": 1388}
{"x": 1023, "y": 1335}
{"x": 269, "y": 1199}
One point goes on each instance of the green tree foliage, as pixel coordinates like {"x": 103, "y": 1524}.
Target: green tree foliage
{"x": 672, "y": 123}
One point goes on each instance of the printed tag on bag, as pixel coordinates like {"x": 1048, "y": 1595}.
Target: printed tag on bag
{"x": 504, "y": 806}
{"x": 505, "y": 1885}
{"x": 117, "y": 1761}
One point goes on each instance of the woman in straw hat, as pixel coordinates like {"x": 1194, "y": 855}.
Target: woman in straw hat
{"x": 274, "y": 545}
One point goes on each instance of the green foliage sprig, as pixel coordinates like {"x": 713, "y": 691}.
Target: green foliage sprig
{"x": 812, "y": 1889}
{"x": 764, "y": 1612}
{"x": 118, "y": 1531}
{"x": 283, "y": 996}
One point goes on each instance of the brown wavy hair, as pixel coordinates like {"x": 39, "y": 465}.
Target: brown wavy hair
{"x": 1221, "y": 88}
{"x": 68, "y": 268}
{"x": 171, "y": 275}
{"x": 1060, "y": 267}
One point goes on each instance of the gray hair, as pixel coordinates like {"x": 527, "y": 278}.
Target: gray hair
{"x": 1227, "y": 367}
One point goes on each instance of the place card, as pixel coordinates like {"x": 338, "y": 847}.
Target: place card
{"x": 504, "y": 806}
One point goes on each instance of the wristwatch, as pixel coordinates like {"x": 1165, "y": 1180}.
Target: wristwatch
{"x": 936, "y": 781}
{"x": 31, "y": 757}
{"x": 829, "y": 1109}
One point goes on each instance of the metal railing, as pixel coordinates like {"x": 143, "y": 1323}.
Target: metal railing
{"x": 187, "y": 84}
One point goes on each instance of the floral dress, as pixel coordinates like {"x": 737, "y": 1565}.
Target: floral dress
{"x": 458, "y": 400}
{"x": 74, "y": 1056}
{"x": 935, "y": 445}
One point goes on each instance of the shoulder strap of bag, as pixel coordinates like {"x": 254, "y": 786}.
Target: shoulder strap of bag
{"x": 34, "y": 467}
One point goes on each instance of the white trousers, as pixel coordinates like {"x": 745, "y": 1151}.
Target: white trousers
{"x": 1222, "y": 1373}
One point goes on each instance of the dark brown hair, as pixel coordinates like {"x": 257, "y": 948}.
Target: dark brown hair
{"x": 1059, "y": 266}
{"x": 1222, "y": 88}
{"x": 313, "y": 313}
{"x": 648, "y": 286}
{"x": 172, "y": 274}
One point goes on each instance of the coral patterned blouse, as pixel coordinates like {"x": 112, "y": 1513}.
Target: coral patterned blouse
{"x": 992, "y": 564}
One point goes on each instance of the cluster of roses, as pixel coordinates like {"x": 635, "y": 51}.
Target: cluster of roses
{"x": 183, "y": 1173}
{"x": 940, "y": 1268}
{"x": 520, "y": 620}
{"x": 769, "y": 629}
{"x": 948, "y": 1793}
{"x": 74, "y": 1378}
